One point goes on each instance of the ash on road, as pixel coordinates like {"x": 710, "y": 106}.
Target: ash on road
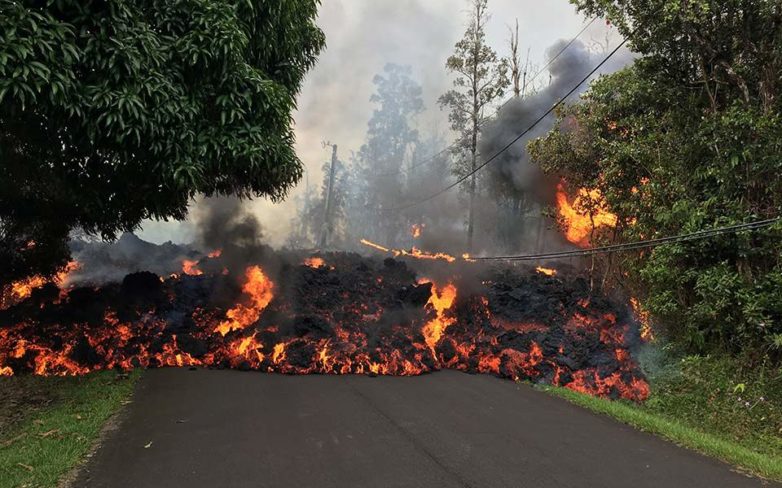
{"x": 232, "y": 429}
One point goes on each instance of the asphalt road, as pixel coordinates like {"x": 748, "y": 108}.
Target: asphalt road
{"x": 232, "y": 429}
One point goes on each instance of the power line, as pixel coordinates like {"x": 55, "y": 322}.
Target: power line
{"x": 506, "y": 102}
{"x": 631, "y": 246}
{"x": 516, "y": 139}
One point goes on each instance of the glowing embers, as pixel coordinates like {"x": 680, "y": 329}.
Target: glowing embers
{"x": 584, "y": 215}
{"x": 258, "y": 290}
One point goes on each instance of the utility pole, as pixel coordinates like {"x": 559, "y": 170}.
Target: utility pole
{"x": 326, "y": 230}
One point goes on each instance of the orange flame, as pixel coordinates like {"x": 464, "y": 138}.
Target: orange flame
{"x": 259, "y": 290}
{"x": 415, "y": 253}
{"x": 416, "y": 230}
{"x": 375, "y": 246}
{"x": 314, "y": 262}
{"x": 190, "y": 267}
{"x": 215, "y": 254}
{"x": 440, "y": 301}
{"x": 24, "y": 288}
{"x": 647, "y": 334}
{"x": 578, "y": 223}
{"x": 546, "y": 271}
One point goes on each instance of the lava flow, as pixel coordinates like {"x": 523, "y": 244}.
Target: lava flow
{"x": 355, "y": 316}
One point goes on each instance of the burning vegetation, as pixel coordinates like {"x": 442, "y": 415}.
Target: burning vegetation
{"x": 584, "y": 215}
{"x": 293, "y": 314}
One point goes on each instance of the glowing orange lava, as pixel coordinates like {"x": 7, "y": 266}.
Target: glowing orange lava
{"x": 579, "y": 224}
{"x": 314, "y": 262}
{"x": 259, "y": 289}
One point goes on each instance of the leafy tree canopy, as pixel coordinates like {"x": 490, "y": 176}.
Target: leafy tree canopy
{"x": 113, "y": 112}
{"x": 689, "y": 138}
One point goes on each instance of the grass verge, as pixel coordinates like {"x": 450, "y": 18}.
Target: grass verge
{"x": 709, "y": 404}
{"x": 48, "y": 425}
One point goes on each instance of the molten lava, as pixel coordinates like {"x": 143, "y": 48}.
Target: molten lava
{"x": 314, "y": 262}
{"x": 586, "y": 214}
{"x": 258, "y": 289}
{"x": 354, "y": 316}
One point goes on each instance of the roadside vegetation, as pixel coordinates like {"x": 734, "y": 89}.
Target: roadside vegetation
{"x": 687, "y": 138}
{"x": 712, "y": 404}
{"x": 48, "y": 425}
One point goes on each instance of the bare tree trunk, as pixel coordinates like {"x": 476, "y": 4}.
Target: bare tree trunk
{"x": 515, "y": 62}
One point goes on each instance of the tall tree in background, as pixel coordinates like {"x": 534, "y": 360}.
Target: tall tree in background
{"x": 114, "y": 112}
{"x": 481, "y": 77}
{"x": 379, "y": 164}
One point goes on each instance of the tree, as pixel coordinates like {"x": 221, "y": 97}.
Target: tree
{"x": 380, "y": 163}
{"x": 481, "y": 77}
{"x": 689, "y": 138}
{"x": 114, "y": 112}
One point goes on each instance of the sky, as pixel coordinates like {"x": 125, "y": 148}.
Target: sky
{"x": 362, "y": 36}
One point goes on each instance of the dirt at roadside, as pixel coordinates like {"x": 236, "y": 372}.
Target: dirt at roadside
{"x": 22, "y": 397}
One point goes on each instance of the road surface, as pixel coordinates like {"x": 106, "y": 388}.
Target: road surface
{"x": 232, "y": 429}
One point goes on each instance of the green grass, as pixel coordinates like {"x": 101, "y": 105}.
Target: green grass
{"x": 713, "y": 405}
{"x": 50, "y": 424}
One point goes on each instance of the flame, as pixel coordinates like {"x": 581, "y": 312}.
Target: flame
{"x": 63, "y": 277}
{"x": 278, "y": 355}
{"x": 24, "y": 288}
{"x": 578, "y": 223}
{"x": 546, "y": 271}
{"x": 440, "y": 301}
{"x": 414, "y": 252}
{"x": 258, "y": 289}
{"x": 416, "y": 230}
{"x": 190, "y": 267}
{"x": 375, "y": 246}
{"x": 314, "y": 262}
{"x": 348, "y": 325}
{"x": 215, "y": 254}
{"x": 419, "y": 254}
{"x": 647, "y": 334}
